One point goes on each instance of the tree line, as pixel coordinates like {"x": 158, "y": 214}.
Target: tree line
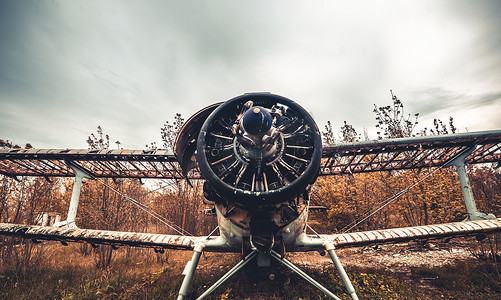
{"x": 177, "y": 207}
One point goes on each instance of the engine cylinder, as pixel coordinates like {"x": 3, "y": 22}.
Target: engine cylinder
{"x": 259, "y": 149}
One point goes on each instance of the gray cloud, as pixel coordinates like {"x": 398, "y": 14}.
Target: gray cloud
{"x": 66, "y": 67}
{"x": 434, "y": 100}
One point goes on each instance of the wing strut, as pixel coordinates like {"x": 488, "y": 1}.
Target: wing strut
{"x": 75, "y": 196}
{"x": 471, "y": 207}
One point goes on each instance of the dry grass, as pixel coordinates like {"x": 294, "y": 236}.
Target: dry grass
{"x": 67, "y": 273}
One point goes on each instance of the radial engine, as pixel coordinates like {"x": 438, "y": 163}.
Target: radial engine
{"x": 259, "y": 153}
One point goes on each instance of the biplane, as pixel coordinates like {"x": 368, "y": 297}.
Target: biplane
{"x": 258, "y": 155}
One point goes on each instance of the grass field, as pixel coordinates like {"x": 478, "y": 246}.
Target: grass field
{"x": 67, "y": 273}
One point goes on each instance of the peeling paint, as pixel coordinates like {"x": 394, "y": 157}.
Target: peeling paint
{"x": 396, "y": 235}
{"x": 99, "y": 236}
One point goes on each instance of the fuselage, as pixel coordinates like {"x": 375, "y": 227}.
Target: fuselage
{"x": 282, "y": 232}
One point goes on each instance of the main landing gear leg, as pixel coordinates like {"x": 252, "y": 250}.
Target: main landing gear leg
{"x": 189, "y": 271}
{"x": 344, "y": 277}
{"x": 230, "y": 273}
{"x": 305, "y": 276}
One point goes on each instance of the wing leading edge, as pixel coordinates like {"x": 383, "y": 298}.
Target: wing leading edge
{"x": 304, "y": 243}
{"x": 117, "y": 238}
{"x": 97, "y": 236}
{"x": 406, "y": 234}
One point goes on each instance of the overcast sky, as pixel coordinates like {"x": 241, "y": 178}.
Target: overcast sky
{"x": 68, "y": 66}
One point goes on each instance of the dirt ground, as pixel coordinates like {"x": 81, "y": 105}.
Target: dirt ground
{"x": 400, "y": 258}
{"x": 396, "y": 258}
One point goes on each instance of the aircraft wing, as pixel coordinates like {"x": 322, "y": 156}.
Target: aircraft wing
{"x": 410, "y": 153}
{"x": 359, "y": 157}
{"x": 165, "y": 241}
{"x": 96, "y": 236}
{"x": 158, "y": 164}
{"x": 116, "y": 238}
{"x": 398, "y": 235}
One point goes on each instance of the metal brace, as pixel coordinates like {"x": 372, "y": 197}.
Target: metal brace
{"x": 75, "y": 196}
{"x": 471, "y": 207}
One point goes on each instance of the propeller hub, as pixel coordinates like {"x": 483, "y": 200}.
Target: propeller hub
{"x": 257, "y": 121}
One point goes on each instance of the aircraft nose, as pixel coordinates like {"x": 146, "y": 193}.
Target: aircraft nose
{"x": 257, "y": 120}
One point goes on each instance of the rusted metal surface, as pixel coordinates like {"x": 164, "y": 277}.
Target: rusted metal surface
{"x": 396, "y": 235}
{"x": 150, "y": 240}
{"x": 186, "y": 140}
{"x": 381, "y": 155}
{"x": 410, "y": 153}
{"x": 157, "y": 241}
{"x": 98, "y": 163}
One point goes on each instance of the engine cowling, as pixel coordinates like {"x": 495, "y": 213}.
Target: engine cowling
{"x": 258, "y": 149}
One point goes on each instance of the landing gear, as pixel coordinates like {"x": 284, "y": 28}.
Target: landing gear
{"x": 329, "y": 247}
{"x": 189, "y": 271}
{"x": 192, "y": 265}
{"x": 230, "y": 273}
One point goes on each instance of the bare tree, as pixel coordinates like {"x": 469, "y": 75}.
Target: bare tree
{"x": 328, "y": 135}
{"x": 440, "y": 128}
{"x": 100, "y": 140}
{"x": 5, "y": 144}
{"x": 393, "y": 121}
{"x": 170, "y": 130}
{"x": 349, "y": 133}
{"x": 101, "y": 204}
